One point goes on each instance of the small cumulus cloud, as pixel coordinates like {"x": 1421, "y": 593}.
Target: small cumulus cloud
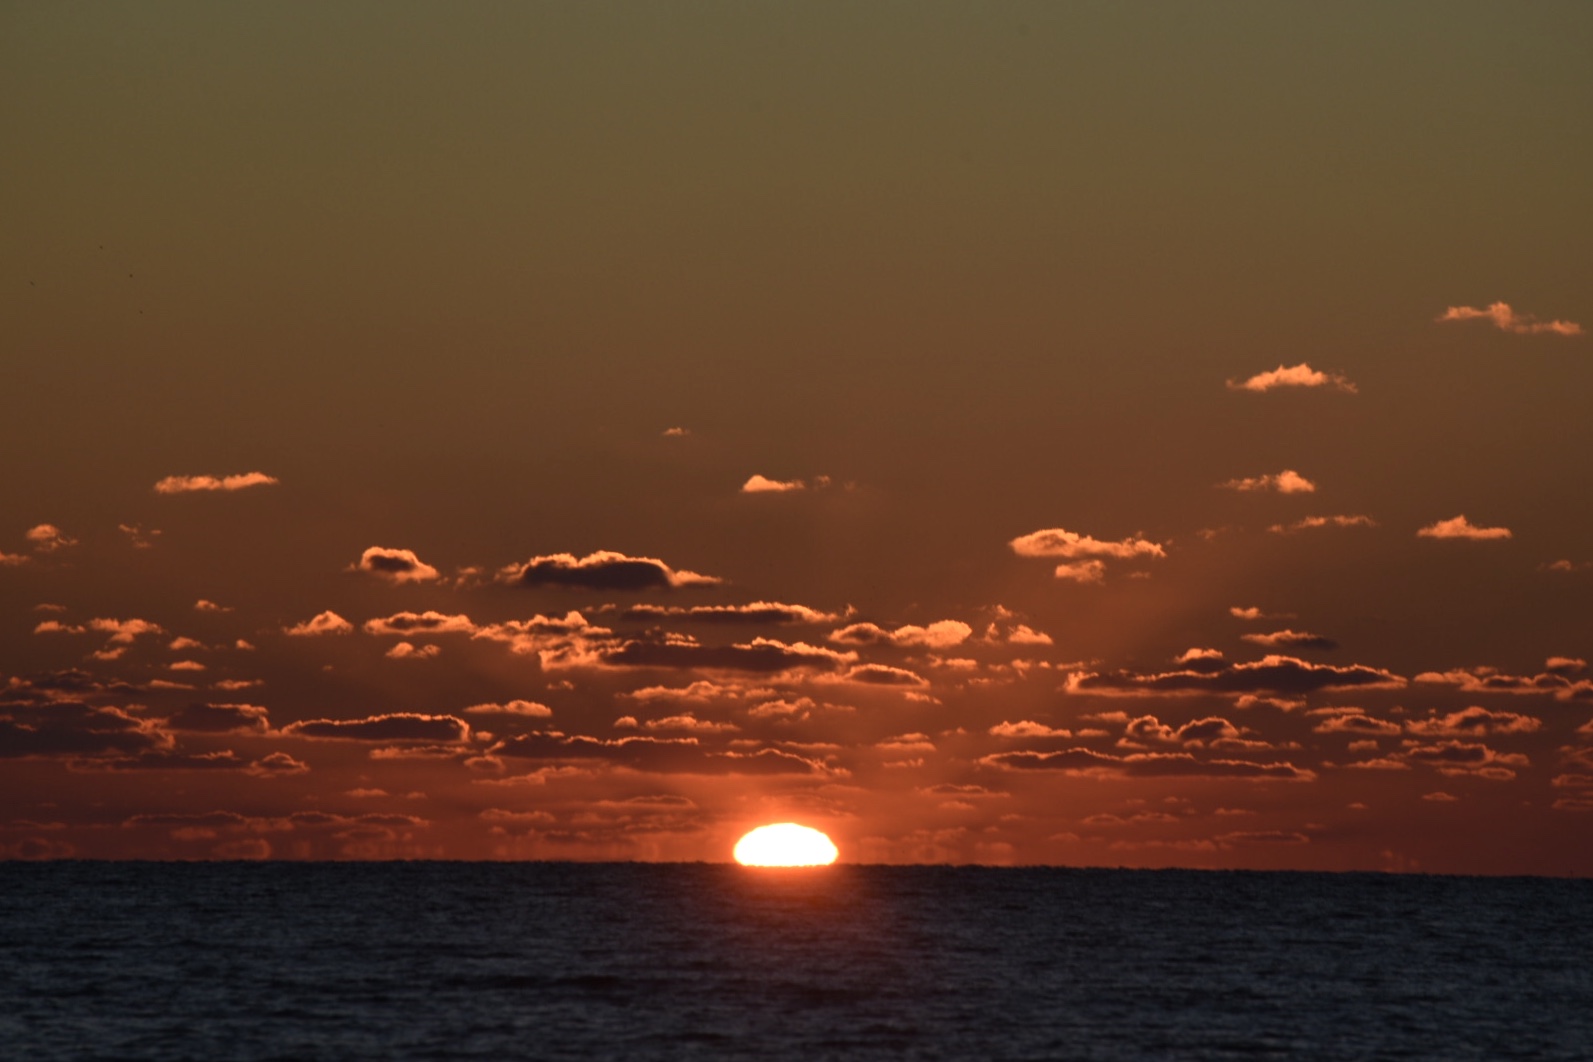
{"x": 1290, "y": 639}
{"x": 206, "y": 605}
{"x": 1301, "y": 375}
{"x": 521, "y": 708}
{"x": 410, "y": 651}
{"x": 939, "y": 635}
{"x": 327, "y": 622}
{"x": 192, "y": 484}
{"x": 47, "y": 538}
{"x": 1507, "y": 320}
{"x": 1286, "y": 482}
{"x": 603, "y": 570}
{"x": 760, "y": 484}
{"x": 1088, "y": 571}
{"x": 1460, "y": 527}
{"x": 1311, "y": 523}
{"x": 1055, "y": 542}
{"x": 676, "y": 433}
{"x": 410, "y": 624}
{"x": 394, "y": 565}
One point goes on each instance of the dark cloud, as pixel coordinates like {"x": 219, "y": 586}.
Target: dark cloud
{"x": 398, "y": 726}
{"x": 1272, "y": 674}
{"x": 73, "y": 729}
{"x": 656, "y": 755}
{"x": 219, "y": 718}
{"x": 395, "y": 565}
{"x": 757, "y": 612}
{"x": 1145, "y": 765}
{"x": 409, "y": 624}
{"x": 881, "y": 675}
{"x": 1291, "y": 640}
{"x": 603, "y": 570}
{"x": 761, "y": 655}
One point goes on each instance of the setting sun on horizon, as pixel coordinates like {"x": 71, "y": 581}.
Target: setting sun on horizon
{"x": 785, "y": 844}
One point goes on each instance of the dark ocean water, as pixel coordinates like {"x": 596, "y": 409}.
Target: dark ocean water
{"x": 503, "y": 961}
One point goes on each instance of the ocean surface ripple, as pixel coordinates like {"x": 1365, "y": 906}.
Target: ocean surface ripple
{"x": 678, "y": 961}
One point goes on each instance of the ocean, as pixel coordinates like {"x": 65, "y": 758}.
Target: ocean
{"x": 685, "y": 961}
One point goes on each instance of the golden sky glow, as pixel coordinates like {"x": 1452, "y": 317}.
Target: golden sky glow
{"x": 1012, "y": 433}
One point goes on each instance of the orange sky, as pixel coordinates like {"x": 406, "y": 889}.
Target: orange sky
{"x": 1079, "y": 434}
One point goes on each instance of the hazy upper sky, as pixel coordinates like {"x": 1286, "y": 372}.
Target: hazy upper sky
{"x": 1179, "y": 416}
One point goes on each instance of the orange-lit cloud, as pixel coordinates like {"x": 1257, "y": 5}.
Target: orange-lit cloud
{"x": 1289, "y": 639}
{"x": 220, "y": 718}
{"x": 1286, "y": 482}
{"x": 520, "y": 708}
{"x": 327, "y": 622}
{"x": 1088, "y": 571}
{"x": 408, "y": 624}
{"x": 603, "y": 570}
{"x": 760, "y": 484}
{"x": 47, "y": 538}
{"x": 942, "y": 634}
{"x": 410, "y": 651}
{"x": 1474, "y": 721}
{"x": 1055, "y": 542}
{"x": 395, "y": 565}
{"x": 1084, "y": 761}
{"x": 774, "y": 612}
{"x": 1507, "y": 320}
{"x": 1559, "y": 678}
{"x": 1312, "y": 522}
{"x": 1301, "y": 375}
{"x": 1271, "y": 674}
{"x": 1460, "y": 527}
{"x": 189, "y": 484}
{"x": 394, "y": 726}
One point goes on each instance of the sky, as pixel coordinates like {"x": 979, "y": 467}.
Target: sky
{"x": 1083, "y": 434}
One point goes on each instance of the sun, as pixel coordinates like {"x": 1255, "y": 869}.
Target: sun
{"x": 785, "y": 844}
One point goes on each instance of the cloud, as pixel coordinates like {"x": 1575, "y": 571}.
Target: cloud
{"x": 410, "y": 651}
{"x": 1557, "y": 678}
{"x": 1351, "y": 721}
{"x": 1271, "y": 674}
{"x": 881, "y": 675}
{"x": 1507, "y": 320}
{"x": 1463, "y": 758}
{"x": 69, "y": 728}
{"x": 1087, "y": 572}
{"x": 1289, "y": 639}
{"x": 1055, "y": 542}
{"x": 190, "y": 484}
{"x": 11, "y": 560}
{"x": 522, "y": 709}
{"x": 754, "y": 612}
{"x": 396, "y": 726}
{"x": 408, "y": 624}
{"x": 140, "y": 538}
{"x": 276, "y": 765}
{"x": 1301, "y": 375}
{"x": 1312, "y": 522}
{"x": 1460, "y": 527}
{"x": 47, "y": 538}
{"x": 1027, "y": 728}
{"x": 220, "y": 718}
{"x": 1082, "y": 761}
{"x": 657, "y": 755}
{"x": 761, "y": 655}
{"x": 603, "y": 570}
{"x": 1286, "y": 482}
{"x": 1254, "y": 613}
{"x": 202, "y": 605}
{"x": 676, "y": 433}
{"x": 1473, "y": 722}
{"x": 327, "y": 622}
{"x": 942, "y": 634}
{"x": 758, "y": 484}
{"x": 394, "y": 565}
